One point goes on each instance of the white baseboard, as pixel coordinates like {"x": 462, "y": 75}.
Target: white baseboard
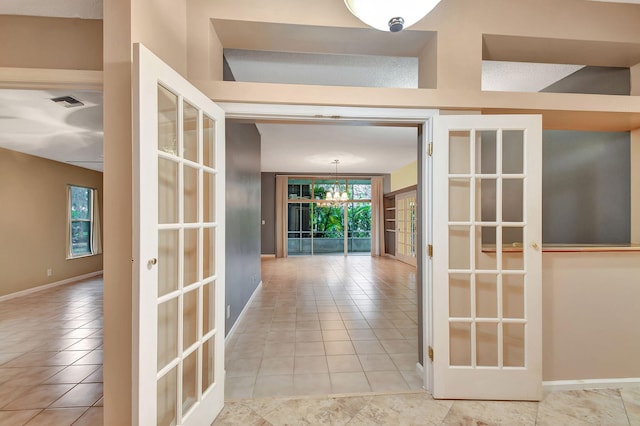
{"x": 419, "y": 369}
{"x": 563, "y": 385}
{"x": 267, "y": 256}
{"x": 50, "y": 285}
{"x": 244, "y": 311}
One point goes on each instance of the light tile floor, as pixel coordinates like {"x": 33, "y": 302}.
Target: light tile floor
{"x": 327, "y": 324}
{"x": 51, "y": 357}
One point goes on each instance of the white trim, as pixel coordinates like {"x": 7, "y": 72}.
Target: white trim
{"x": 565, "y": 385}
{"x": 50, "y": 285}
{"x": 268, "y": 256}
{"x": 242, "y": 314}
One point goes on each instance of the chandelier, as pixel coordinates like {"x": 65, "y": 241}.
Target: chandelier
{"x": 335, "y": 198}
{"x": 386, "y": 15}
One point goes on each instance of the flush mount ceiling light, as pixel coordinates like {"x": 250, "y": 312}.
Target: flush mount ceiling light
{"x": 387, "y": 15}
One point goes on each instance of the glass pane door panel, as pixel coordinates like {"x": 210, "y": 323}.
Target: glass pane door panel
{"x": 167, "y": 121}
{"x": 208, "y": 145}
{"x": 459, "y": 152}
{"x": 189, "y": 382}
{"x": 208, "y": 364}
{"x": 513, "y": 296}
{"x": 512, "y": 200}
{"x": 190, "y": 318}
{"x": 167, "y": 191}
{"x": 208, "y": 307}
{"x": 513, "y": 347}
{"x": 459, "y": 196}
{"x": 513, "y": 152}
{"x": 487, "y": 344}
{"x": 190, "y": 260}
{"x": 190, "y": 132}
{"x": 460, "y": 295}
{"x": 208, "y": 197}
{"x": 208, "y": 252}
{"x": 459, "y": 247}
{"x": 299, "y": 226}
{"x": 167, "y": 332}
{"x": 190, "y": 194}
{"x": 486, "y": 152}
{"x": 486, "y": 296}
{"x": 168, "y": 399}
{"x": 167, "y": 261}
{"x": 486, "y": 258}
{"x": 460, "y": 343}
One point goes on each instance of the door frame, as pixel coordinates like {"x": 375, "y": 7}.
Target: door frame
{"x": 420, "y": 118}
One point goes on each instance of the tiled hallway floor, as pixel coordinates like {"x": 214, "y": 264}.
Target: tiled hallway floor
{"x": 51, "y": 357}
{"x": 327, "y": 324}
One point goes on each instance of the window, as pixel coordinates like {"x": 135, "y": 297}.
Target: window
{"x": 83, "y": 223}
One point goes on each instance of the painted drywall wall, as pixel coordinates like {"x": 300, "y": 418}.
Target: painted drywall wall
{"x": 596, "y": 80}
{"x": 242, "y": 216}
{"x": 404, "y": 177}
{"x": 268, "y": 227}
{"x": 41, "y": 42}
{"x": 590, "y": 316}
{"x": 33, "y": 221}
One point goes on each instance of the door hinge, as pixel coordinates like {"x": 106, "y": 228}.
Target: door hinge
{"x": 430, "y": 353}
{"x": 430, "y": 149}
{"x": 430, "y": 250}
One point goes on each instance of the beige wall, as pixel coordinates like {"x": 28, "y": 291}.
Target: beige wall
{"x": 404, "y": 177}
{"x": 34, "y": 221}
{"x": 39, "y": 42}
{"x": 591, "y": 320}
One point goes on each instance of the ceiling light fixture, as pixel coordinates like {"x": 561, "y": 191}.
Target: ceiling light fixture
{"x": 386, "y": 15}
{"x": 335, "y": 198}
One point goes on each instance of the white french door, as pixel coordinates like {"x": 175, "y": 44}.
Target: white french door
{"x": 487, "y": 316}
{"x": 406, "y": 228}
{"x": 178, "y": 361}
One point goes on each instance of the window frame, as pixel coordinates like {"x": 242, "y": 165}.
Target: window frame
{"x": 71, "y": 221}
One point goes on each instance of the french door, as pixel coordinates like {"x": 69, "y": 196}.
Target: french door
{"x": 406, "y": 227}
{"x": 178, "y": 363}
{"x": 487, "y": 325}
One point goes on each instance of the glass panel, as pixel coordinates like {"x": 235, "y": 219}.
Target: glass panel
{"x": 487, "y": 344}
{"x": 513, "y": 151}
{"x": 190, "y": 132}
{"x": 168, "y": 398}
{"x": 209, "y": 197}
{"x": 459, "y": 296}
{"x": 208, "y": 252}
{"x": 359, "y": 228}
{"x": 359, "y": 189}
{"x": 167, "y": 332}
{"x": 459, "y": 247}
{"x": 190, "y": 256}
{"x": 513, "y": 256}
{"x": 167, "y": 121}
{"x": 486, "y": 151}
{"x": 322, "y": 186}
{"x": 189, "y": 382}
{"x": 299, "y": 228}
{"x": 459, "y": 152}
{"x": 80, "y": 238}
{"x": 190, "y": 195}
{"x": 485, "y": 248}
{"x": 486, "y": 200}
{"x": 486, "y": 296}
{"x": 512, "y": 200}
{"x": 208, "y": 142}
{"x": 167, "y": 191}
{"x": 80, "y": 202}
{"x": 208, "y": 307}
{"x": 328, "y": 229}
{"x": 167, "y": 262}
{"x": 513, "y": 296}
{"x": 208, "y": 364}
{"x": 299, "y": 188}
{"x": 513, "y": 338}
{"x": 189, "y": 318}
{"x": 459, "y": 200}
{"x": 460, "y": 344}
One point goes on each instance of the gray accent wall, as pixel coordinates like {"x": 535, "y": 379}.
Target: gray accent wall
{"x": 242, "y": 216}
{"x": 268, "y": 227}
{"x": 594, "y": 80}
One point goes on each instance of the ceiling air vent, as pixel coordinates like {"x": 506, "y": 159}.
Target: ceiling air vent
{"x": 67, "y": 101}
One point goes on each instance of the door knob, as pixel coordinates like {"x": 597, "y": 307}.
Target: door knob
{"x": 535, "y": 246}
{"x": 153, "y": 261}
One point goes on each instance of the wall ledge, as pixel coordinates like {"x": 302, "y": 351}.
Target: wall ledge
{"x": 564, "y": 385}
{"x": 50, "y": 285}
